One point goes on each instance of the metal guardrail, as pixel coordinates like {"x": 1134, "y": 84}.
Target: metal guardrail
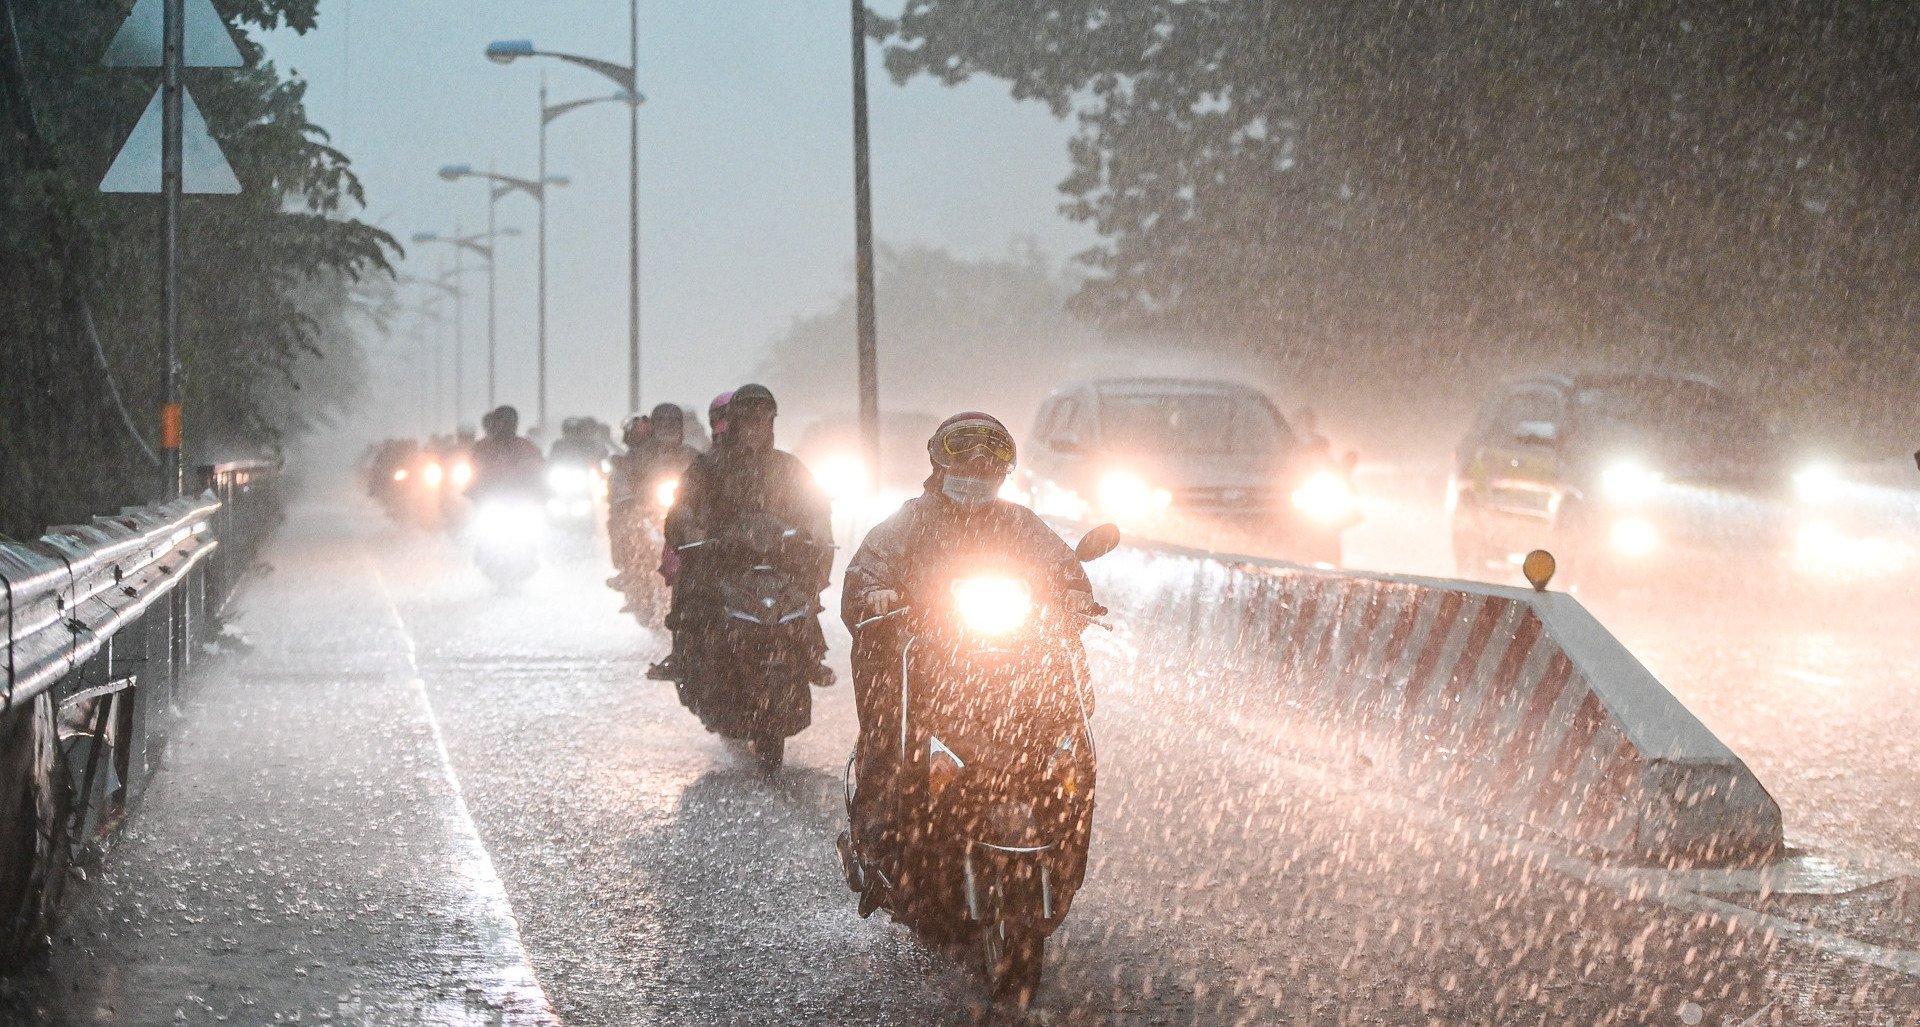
{"x": 101, "y": 622}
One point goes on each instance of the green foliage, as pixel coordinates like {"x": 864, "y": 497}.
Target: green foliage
{"x": 267, "y": 275}
{"x": 953, "y": 333}
{"x": 1410, "y": 193}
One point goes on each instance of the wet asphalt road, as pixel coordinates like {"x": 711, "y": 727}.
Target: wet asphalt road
{"x": 658, "y": 879}
{"x": 655, "y": 878}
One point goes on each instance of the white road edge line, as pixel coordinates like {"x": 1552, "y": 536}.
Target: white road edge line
{"x": 1630, "y": 885}
{"x": 474, "y": 866}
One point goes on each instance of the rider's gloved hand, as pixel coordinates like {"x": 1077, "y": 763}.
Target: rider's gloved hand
{"x": 1084, "y": 603}
{"x": 880, "y": 602}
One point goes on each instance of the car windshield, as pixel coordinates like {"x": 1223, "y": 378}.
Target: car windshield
{"x": 1194, "y": 424}
{"x": 1676, "y": 417}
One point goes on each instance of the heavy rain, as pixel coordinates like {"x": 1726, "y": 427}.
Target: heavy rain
{"x": 959, "y": 511}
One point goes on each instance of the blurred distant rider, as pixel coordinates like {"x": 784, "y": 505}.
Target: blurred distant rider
{"x": 647, "y": 473}
{"x": 503, "y": 462}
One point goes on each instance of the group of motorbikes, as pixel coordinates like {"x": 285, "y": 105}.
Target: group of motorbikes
{"x": 994, "y": 794}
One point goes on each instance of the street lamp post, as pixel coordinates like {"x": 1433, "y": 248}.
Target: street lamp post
{"x": 627, "y": 78}
{"x": 866, "y": 343}
{"x": 536, "y": 188}
{"x": 481, "y": 243}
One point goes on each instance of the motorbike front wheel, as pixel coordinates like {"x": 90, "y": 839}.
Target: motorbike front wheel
{"x": 1014, "y": 954}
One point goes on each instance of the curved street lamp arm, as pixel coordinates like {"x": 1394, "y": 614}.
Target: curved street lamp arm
{"x": 548, "y": 114}
{"x": 621, "y": 75}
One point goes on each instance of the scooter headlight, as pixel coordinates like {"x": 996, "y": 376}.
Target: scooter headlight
{"x": 432, "y": 474}
{"x": 666, "y": 492}
{"x": 462, "y": 474}
{"x": 567, "y": 480}
{"x": 993, "y": 605}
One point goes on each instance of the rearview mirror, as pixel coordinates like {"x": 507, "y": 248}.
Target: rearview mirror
{"x": 1542, "y": 432}
{"x": 1098, "y": 543}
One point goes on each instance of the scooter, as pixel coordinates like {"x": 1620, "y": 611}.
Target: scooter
{"x": 993, "y": 800}
{"x": 750, "y": 657}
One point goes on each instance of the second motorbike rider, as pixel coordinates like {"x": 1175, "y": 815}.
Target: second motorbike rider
{"x": 743, "y": 475}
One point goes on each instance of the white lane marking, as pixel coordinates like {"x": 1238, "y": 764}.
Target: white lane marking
{"x": 1637, "y": 885}
{"x": 523, "y": 997}
{"x": 1824, "y": 680}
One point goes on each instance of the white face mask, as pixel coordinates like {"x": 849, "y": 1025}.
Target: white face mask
{"x": 969, "y": 491}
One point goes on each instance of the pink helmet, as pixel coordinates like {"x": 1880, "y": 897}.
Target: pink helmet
{"x": 717, "y": 412}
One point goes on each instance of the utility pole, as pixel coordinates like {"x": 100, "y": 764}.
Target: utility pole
{"x": 633, "y": 212}
{"x": 540, "y": 348}
{"x": 172, "y": 111}
{"x": 863, "y": 251}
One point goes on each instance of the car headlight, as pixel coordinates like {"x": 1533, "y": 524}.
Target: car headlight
{"x": 400, "y": 475}
{"x": 993, "y": 605}
{"x": 1127, "y": 497}
{"x": 1634, "y": 536}
{"x": 844, "y": 476}
{"x": 1816, "y": 484}
{"x": 1326, "y": 497}
{"x": 432, "y": 474}
{"x": 462, "y": 473}
{"x": 666, "y": 492}
{"x": 1628, "y": 482}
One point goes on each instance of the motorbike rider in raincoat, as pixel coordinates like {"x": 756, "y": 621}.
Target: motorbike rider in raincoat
{"x": 657, "y": 453}
{"x": 741, "y": 475}
{"x": 505, "y": 462}
{"x": 971, "y": 453}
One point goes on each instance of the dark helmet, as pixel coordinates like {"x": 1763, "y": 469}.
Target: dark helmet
{"x": 972, "y": 435}
{"x": 634, "y": 428}
{"x": 669, "y": 420}
{"x": 501, "y": 420}
{"x": 753, "y": 394}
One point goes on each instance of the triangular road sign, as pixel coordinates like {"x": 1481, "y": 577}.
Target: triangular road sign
{"x": 203, "y": 168}
{"x": 138, "y": 44}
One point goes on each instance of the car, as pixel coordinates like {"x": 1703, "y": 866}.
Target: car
{"x": 1625, "y": 478}
{"x": 1147, "y": 452}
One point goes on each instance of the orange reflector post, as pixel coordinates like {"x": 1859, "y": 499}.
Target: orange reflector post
{"x": 170, "y": 426}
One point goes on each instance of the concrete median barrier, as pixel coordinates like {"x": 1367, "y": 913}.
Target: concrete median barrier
{"x": 1516, "y": 702}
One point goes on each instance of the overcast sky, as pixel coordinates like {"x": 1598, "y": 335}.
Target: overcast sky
{"x": 746, "y": 180}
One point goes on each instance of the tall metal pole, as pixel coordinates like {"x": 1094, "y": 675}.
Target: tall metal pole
{"x": 459, "y": 328}
{"x": 173, "y": 60}
{"x": 540, "y": 406}
{"x": 863, "y": 249}
{"x": 633, "y": 213}
{"x": 493, "y": 241}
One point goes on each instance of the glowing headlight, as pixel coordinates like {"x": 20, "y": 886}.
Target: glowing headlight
{"x": 1634, "y": 536}
{"x": 462, "y": 473}
{"x": 1816, "y": 484}
{"x": 1326, "y": 497}
{"x": 843, "y": 476}
{"x": 1128, "y": 497}
{"x": 666, "y": 492}
{"x": 1629, "y": 482}
{"x": 432, "y": 474}
{"x": 993, "y": 606}
{"x": 567, "y": 479}
{"x": 505, "y": 523}
{"x": 400, "y": 475}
